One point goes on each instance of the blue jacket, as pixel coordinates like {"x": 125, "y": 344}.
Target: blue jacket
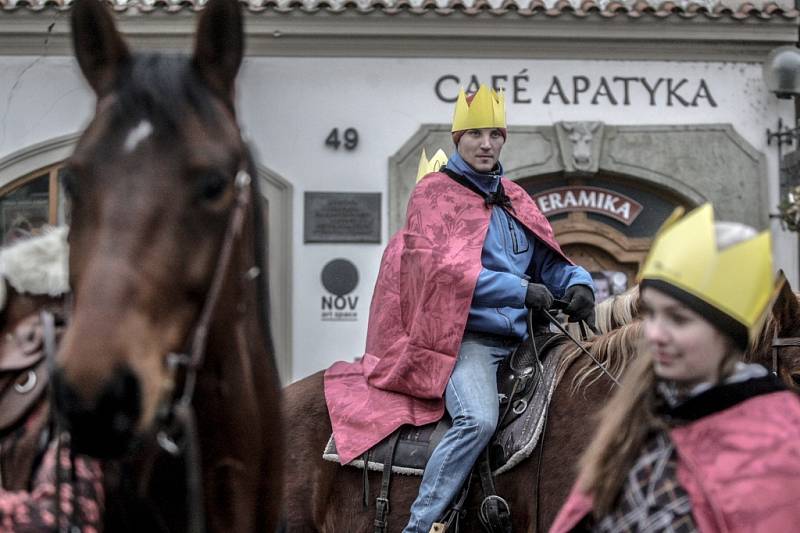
{"x": 511, "y": 258}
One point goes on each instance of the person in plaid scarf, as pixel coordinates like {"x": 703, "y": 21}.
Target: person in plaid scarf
{"x": 695, "y": 439}
{"x": 67, "y": 497}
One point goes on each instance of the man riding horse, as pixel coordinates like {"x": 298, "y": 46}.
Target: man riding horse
{"x": 450, "y": 304}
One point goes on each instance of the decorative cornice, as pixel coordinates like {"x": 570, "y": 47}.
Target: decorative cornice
{"x": 354, "y": 33}
{"x": 736, "y": 9}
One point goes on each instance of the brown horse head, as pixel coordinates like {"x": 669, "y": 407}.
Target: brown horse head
{"x": 151, "y": 185}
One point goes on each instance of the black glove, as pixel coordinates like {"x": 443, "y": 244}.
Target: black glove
{"x": 580, "y": 304}
{"x": 538, "y": 297}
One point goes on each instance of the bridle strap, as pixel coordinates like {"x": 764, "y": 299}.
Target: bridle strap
{"x": 197, "y": 348}
{"x": 780, "y": 342}
{"x": 777, "y": 344}
{"x": 200, "y": 336}
{"x": 180, "y": 414}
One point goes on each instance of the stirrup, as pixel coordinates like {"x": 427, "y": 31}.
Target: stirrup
{"x": 438, "y": 527}
{"x": 495, "y": 514}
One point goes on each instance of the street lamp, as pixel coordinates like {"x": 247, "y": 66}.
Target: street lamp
{"x": 782, "y": 71}
{"x": 782, "y": 74}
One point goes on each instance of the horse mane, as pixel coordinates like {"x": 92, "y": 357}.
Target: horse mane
{"x": 762, "y": 343}
{"x": 618, "y": 310}
{"x": 619, "y": 330}
{"x": 159, "y": 87}
{"x": 36, "y": 265}
{"x": 620, "y": 338}
{"x": 614, "y": 350}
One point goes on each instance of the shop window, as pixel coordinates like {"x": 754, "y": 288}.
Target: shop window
{"x": 31, "y": 202}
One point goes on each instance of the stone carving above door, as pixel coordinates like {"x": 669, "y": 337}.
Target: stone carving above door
{"x": 580, "y": 144}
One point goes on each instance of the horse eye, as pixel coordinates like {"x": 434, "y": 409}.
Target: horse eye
{"x": 211, "y": 186}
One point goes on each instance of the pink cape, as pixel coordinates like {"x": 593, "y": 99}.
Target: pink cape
{"x": 740, "y": 467}
{"x": 418, "y": 313}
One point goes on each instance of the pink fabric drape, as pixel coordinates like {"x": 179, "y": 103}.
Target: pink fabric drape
{"x": 419, "y": 309}
{"x": 740, "y": 467}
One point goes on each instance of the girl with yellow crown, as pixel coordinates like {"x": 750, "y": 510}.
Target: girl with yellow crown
{"x": 695, "y": 440}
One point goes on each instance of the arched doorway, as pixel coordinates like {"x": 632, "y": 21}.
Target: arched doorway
{"x": 604, "y": 222}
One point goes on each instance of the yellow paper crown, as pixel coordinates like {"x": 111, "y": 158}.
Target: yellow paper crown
{"x": 487, "y": 110}
{"x": 435, "y": 163}
{"x": 737, "y": 281}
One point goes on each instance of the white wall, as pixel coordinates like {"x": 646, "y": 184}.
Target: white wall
{"x": 289, "y": 105}
{"x": 40, "y": 99}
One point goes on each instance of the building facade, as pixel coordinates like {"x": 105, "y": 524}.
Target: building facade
{"x": 618, "y": 112}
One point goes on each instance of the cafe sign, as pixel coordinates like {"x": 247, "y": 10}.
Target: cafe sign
{"x": 592, "y": 199}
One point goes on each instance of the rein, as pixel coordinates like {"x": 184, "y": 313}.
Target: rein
{"x": 583, "y": 350}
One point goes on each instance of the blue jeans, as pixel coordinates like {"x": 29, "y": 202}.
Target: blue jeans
{"x": 471, "y": 400}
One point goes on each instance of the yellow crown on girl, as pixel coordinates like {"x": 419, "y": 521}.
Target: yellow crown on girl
{"x": 737, "y": 281}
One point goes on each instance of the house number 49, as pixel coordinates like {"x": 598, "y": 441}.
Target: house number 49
{"x": 349, "y": 136}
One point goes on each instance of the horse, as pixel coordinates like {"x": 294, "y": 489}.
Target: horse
{"x": 167, "y": 268}
{"x": 321, "y": 496}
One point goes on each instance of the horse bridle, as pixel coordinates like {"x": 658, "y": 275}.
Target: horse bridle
{"x": 176, "y": 417}
{"x": 779, "y": 343}
{"x": 192, "y": 360}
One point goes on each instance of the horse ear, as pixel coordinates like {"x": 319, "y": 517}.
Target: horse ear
{"x": 99, "y": 47}
{"x": 219, "y": 45}
{"x": 786, "y": 309}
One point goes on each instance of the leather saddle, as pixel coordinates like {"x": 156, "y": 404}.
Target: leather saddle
{"x": 524, "y": 383}
{"x": 24, "y": 378}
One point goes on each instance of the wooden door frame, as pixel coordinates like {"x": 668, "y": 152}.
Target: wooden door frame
{"x": 578, "y": 229}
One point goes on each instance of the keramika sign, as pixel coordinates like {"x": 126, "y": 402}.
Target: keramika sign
{"x": 593, "y": 199}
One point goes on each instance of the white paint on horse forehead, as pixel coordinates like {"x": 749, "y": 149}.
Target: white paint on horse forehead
{"x": 142, "y": 131}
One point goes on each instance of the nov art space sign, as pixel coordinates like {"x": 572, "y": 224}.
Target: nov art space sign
{"x": 592, "y": 199}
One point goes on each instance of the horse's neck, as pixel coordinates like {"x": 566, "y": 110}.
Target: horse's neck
{"x": 229, "y": 402}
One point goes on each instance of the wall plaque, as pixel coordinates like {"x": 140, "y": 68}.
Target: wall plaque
{"x": 342, "y": 217}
